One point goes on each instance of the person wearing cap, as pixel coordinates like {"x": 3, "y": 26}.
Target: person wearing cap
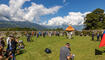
{"x": 65, "y": 52}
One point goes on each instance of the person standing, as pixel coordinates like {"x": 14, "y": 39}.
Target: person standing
{"x": 101, "y": 35}
{"x": 14, "y": 46}
{"x": 1, "y": 48}
{"x": 8, "y": 42}
{"x": 28, "y": 37}
{"x": 65, "y": 52}
{"x": 69, "y": 35}
{"x": 92, "y": 35}
{"x": 9, "y": 48}
{"x": 44, "y": 34}
{"x": 37, "y": 35}
{"x": 98, "y": 36}
{"x": 2, "y": 43}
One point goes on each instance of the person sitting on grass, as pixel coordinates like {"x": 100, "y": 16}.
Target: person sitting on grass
{"x": 65, "y": 52}
{"x": 20, "y": 47}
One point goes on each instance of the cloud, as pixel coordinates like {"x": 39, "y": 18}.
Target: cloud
{"x": 15, "y": 12}
{"x": 73, "y": 18}
{"x": 35, "y": 11}
{"x": 64, "y": 1}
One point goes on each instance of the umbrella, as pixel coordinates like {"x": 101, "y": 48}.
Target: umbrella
{"x": 69, "y": 28}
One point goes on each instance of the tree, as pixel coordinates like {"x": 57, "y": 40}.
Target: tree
{"x": 56, "y": 29}
{"x": 95, "y": 20}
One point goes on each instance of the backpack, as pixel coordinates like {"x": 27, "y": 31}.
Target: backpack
{"x": 47, "y": 50}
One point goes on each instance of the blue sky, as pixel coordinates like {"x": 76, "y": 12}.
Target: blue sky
{"x": 67, "y": 6}
{"x": 71, "y": 5}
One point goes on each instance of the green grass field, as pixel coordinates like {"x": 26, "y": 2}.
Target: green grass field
{"x": 82, "y": 47}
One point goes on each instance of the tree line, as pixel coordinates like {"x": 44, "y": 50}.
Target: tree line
{"x": 18, "y": 29}
{"x": 95, "y": 20}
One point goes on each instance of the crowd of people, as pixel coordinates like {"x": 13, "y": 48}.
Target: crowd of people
{"x": 51, "y": 33}
{"x": 46, "y": 33}
{"x": 41, "y": 34}
{"x": 11, "y": 44}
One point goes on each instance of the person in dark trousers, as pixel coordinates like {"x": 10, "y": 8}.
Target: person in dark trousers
{"x": 101, "y": 35}
{"x": 8, "y": 42}
{"x": 14, "y": 46}
{"x": 93, "y": 36}
{"x": 65, "y": 52}
{"x": 37, "y": 35}
{"x": 98, "y": 36}
{"x": 44, "y": 34}
{"x": 9, "y": 48}
{"x": 40, "y": 34}
{"x": 28, "y": 37}
{"x": 2, "y": 43}
{"x": 1, "y": 48}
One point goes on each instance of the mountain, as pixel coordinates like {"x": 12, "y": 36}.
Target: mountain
{"x": 77, "y": 27}
{"x": 25, "y": 24}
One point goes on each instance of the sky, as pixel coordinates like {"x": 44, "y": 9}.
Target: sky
{"x": 49, "y": 12}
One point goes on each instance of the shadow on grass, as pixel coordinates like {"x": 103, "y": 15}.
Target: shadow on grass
{"x": 98, "y": 52}
{"x": 96, "y": 40}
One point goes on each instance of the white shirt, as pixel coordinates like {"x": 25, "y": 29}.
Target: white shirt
{"x": 8, "y": 40}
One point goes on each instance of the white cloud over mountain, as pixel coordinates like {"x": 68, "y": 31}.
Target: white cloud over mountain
{"x": 15, "y": 12}
{"x": 73, "y": 18}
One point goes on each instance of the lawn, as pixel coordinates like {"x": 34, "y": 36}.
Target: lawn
{"x": 82, "y": 47}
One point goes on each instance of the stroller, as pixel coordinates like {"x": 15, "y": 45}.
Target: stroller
{"x": 20, "y": 48}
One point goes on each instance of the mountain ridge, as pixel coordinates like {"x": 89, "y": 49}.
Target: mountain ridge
{"x": 21, "y": 24}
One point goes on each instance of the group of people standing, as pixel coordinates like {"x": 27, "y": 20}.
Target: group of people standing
{"x": 42, "y": 34}
{"x": 98, "y": 35}
{"x": 46, "y": 33}
{"x": 9, "y": 52}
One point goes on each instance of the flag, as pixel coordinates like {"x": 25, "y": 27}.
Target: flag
{"x": 102, "y": 43}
